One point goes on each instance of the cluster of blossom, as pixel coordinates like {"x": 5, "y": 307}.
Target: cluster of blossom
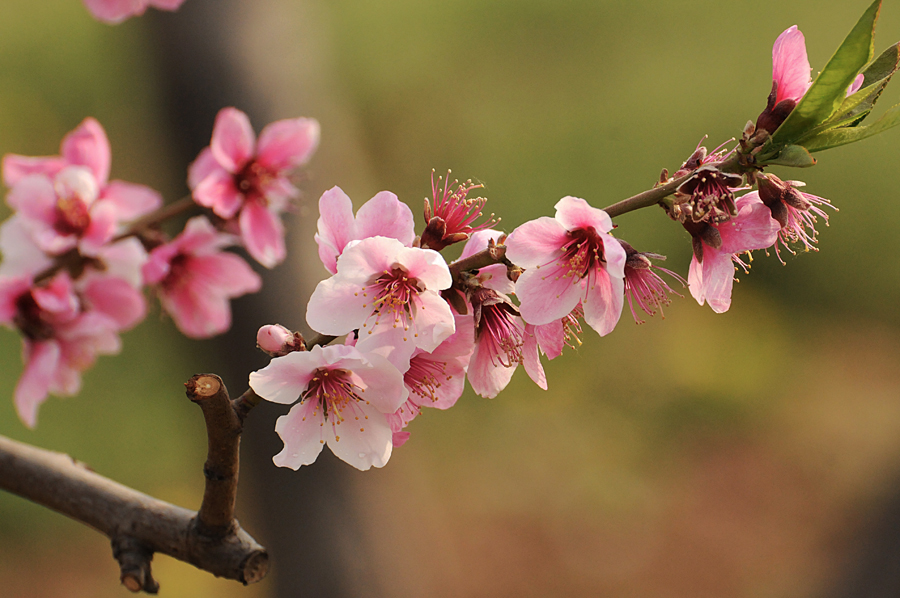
{"x": 415, "y": 327}
{"x": 80, "y": 248}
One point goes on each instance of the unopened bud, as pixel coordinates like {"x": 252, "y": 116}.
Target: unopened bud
{"x": 276, "y": 340}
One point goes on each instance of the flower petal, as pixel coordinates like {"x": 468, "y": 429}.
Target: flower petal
{"x": 286, "y": 144}
{"x": 88, "y": 146}
{"x": 790, "y": 65}
{"x": 233, "y": 140}
{"x": 386, "y": 216}
{"x": 302, "y": 434}
{"x": 263, "y": 234}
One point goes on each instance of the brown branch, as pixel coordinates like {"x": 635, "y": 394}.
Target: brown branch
{"x": 495, "y": 254}
{"x": 139, "y": 525}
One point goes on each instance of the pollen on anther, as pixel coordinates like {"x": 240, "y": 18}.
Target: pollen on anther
{"x": 362, "y": 429}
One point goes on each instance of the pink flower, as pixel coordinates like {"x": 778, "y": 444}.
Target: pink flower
{"x": 499, "y": 341}
{"x": 643, "y": 285}
{"x": 711, "y": 275}
{"x": 61, "y": 338}
{"x": 790, "y": 78}
{"x": 795, "y": 211}
{"x": 384, "y": 215}
{"x": 67, "y": 201}
{"x": 116, "y": 11}
{"x": 390, "y": 293}
{"x": 238, "y": 177}
{"x": 569, "y": 259}
{"x": 436, "y": 379}
{"x": 454, "y": 214}
{"x": 196, "y": 279}
{"x": 345, "y": 396}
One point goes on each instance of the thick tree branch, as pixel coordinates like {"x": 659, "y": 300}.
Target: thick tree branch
{"x": 139, "y": 525}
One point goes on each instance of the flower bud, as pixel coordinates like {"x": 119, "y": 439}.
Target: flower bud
{"x": 276, "y": 340}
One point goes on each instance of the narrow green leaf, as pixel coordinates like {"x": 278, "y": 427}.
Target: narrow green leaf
{"x": 828, "y": 90}
{"x": 845, "y": 135}
{"x": 876, "y": 77}
{"x": 792, "y": 155}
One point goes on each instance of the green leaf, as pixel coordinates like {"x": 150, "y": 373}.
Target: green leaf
{"x": 792, "y": 155}
{"x": 845, "y": 135}
{"x": 828, "y": 90}
{"x": 876, "y": 76}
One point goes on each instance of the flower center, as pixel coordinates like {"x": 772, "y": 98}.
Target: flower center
{"x": 72, "y": 216}
{"x": 583, "y": 253}
{"x": 31, "y": 319}
{"x": 503, "y": 336}
{"x": 333, "y": 391}
{"x": 252, "y": 181}
{"x": 395, "y": 292}
{"x": 425, "y": 376}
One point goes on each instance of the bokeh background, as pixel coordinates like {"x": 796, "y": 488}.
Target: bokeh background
{"x": 754, "y": 453}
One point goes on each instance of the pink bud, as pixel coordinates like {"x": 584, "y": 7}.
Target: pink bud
{"x": 275, "y": 339}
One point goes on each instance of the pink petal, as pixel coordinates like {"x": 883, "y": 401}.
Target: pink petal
{"x": 547, "y": 294}
{"x": 165, "y": 4}
{"x": 263, "y": 234}
{"x": 536, "y": 242}
{"x": 574, "y": 213}
{"x": 131, "y": 201}
{"x": 531, "y": 358}
{"x": 286, "y": 144}
{"x": 303, "y": 435}
{"x": 425, "y": 265}
{"x": 551, "y": 338}
{"x": 16, "y": 167}
{"x": 35, "y": 198}
{"x": 790, "y": 65}
{"x": 383, "y": 383}
{"x": 712, "y": 281}
{"x": 385, "y": 215}
{"x": 335, "y": 225}
{"x": 856, "y": 85}
{"x": 233, "y": 140}
{"x": 287, "y": 377}
{"x": 486, "y": 378}
{"x": 41, "y": 361}
{"x": 101, "y": 230}
{"x": 603, "y": 301}
{"x": 217, "y": 191}
{"x": 368, "y": 446}
{"x": 114, "y": 11}
{"x": 337, "y": 307}
{"x": 88, "y": 146}
{"x": 433, "y": 321}
{"x": 204, "y": 165}
{"x": 118, "y": 300}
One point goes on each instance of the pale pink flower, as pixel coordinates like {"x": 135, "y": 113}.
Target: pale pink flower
{"x": 569, "y": 259}
{"x": 711, "y": 275}
{"x": 382, "y": 216}
{"x": 241, "y": 178}
{"x": 390, "y": 293}
{"x": 116, "y": 11}
{"x": 196, "y": 280}
{"x": 345, "y": 396}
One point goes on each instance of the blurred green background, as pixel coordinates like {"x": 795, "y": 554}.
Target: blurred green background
{"x": 697, "y": 455}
